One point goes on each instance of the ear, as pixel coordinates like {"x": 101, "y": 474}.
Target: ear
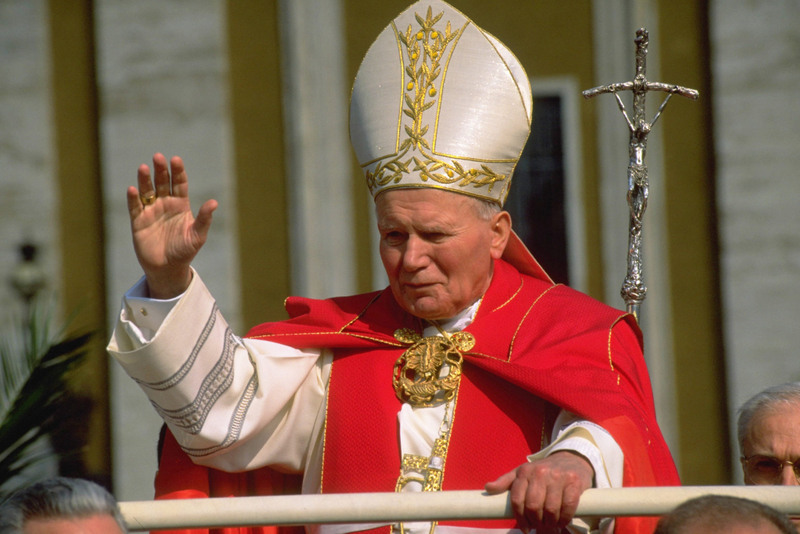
{"x": 501, "y": 230}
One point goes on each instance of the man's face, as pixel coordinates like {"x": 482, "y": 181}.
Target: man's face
{"x": 438, "y": 253}
{"x": 776, "y": 434}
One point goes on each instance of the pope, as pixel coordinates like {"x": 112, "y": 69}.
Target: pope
{"x": 472, "y": 369}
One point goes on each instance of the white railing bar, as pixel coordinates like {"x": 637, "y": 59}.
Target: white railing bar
{"x": 393, "y": 507}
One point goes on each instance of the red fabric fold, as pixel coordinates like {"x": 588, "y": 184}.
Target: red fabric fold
{"x": 552, "y": 342}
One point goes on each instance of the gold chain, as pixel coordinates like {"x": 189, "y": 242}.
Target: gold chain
{"x": 431, "y": 466}
{"x": 417, "y": 381}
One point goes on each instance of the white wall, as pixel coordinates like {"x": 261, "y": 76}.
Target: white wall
{"x": 162, "y": 75}
{"x": 28, "y": 206}
{"x": 318, "y": 161}
{"x": 756, "y": 58}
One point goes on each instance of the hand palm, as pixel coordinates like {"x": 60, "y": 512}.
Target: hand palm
{"x": 166, "y": 237}
{"x": 164, "y": 233}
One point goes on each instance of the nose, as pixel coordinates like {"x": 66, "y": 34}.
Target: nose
{"x": 788, "y": 478}
{"x": 415, "y": 255}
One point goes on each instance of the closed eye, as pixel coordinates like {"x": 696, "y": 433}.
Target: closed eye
{"x": 394, "y": 238}
{"x": 435, "y": 237}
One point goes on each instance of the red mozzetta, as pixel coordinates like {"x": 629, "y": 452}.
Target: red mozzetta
{"x": 538, "y": 347}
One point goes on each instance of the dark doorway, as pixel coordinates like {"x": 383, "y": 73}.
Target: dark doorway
{"x": 536, "y": 200}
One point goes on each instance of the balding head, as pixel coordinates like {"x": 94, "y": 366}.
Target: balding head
{"x": 63, "y": 505}
{"x": 720, "y": 514}
{"x": 781, "y": 398}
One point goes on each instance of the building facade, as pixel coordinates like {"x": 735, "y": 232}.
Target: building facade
{"x": 254, "y": 97}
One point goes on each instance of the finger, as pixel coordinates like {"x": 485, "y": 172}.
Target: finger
{"x": 503, "y": 483}
{"x": 569, "y": 504}
{"x": 535, "y": 495}
{"x": 551, "y": 506}
{"x": 135, "y": 207}
{"x": 517, "y": 495}
{"x": 161, "y": 175}
{"x": 180, "y": 182}
{"x": 143, "y": 179}
{"x": 203, "y": 221}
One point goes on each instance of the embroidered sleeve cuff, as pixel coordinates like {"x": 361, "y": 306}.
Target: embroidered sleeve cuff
{"x": 184, "y": 322}
{"x": 140, "y": 316}
{"x": 144, "y": 315}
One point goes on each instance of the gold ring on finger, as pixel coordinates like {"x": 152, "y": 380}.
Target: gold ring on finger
{"x": 148, "y": 198}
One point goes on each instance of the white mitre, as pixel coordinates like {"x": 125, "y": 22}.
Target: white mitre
{"x": 438, "y": 102}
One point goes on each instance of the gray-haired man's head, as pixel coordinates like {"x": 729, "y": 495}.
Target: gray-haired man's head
{"x": 769, "y": 437}
{"x": 58, "y": 505}
{"x": 768, "y": 402}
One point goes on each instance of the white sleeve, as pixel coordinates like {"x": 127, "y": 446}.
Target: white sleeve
{"x": 143, "y": 316}
{"x": 233, "y": 404}
{"x": 592, "y": 442}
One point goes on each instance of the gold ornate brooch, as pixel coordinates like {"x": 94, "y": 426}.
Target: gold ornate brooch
{"x": 416, "y": 375}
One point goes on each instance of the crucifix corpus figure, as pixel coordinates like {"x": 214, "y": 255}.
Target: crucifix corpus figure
{"x": 633, "y": 289}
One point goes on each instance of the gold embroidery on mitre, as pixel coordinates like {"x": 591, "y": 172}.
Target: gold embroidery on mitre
{"x": 416, "y": 374}
{"x": 425, "y": 49}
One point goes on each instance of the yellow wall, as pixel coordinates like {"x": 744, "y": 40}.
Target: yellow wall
{"x": 80, "y": 197}
{"x": 256, "y": 115}
{"x": 693, "y": 249}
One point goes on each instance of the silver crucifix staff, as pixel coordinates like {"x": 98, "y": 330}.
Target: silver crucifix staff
{"x": 633, "y": 289}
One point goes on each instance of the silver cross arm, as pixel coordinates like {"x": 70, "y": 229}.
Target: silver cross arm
{"x": 633, "y": 289}
{"x": 650, "y": 86}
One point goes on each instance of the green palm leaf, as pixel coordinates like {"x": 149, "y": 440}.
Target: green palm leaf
{"x": 34, "y": 362}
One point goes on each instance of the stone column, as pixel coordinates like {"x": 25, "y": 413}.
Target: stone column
{"x": 162, "y": 72}
{"x": 315, "y": 96}
{"x": 757, "y": 112}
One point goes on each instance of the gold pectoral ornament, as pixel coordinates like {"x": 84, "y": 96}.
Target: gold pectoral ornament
{"x": 418, "y": 381}
{"x": 416, "y": 374}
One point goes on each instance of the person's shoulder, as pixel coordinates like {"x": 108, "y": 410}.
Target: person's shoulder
{"x": 555, "y": 315}
{"x": 350, "y": 304}
{"x": 312, "y": 317}
{"x": 563, "y": 303}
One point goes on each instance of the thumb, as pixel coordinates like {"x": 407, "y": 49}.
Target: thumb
{"x": 203, "y": 221}
{"x": 501, "y": 484}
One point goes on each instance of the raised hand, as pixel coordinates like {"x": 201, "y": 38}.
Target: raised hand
{"x": 166, "y": 237}
{"x": 545, "y": 493}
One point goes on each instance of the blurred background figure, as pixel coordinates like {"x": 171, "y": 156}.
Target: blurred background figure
{"x": 769, "y": 437}
{"x": 63, "y": 506}
{"x": 731, "y": 515}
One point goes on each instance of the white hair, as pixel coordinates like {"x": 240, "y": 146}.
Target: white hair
{"x": 57, "y": 498}
{"x": 485, "y": 209}
{"x": 781, "y": 396}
